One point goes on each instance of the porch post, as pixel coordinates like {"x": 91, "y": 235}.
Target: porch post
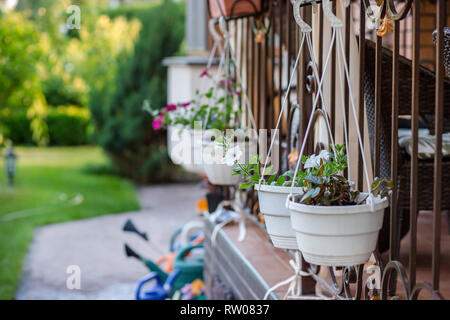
{"x": 196, "y": 27}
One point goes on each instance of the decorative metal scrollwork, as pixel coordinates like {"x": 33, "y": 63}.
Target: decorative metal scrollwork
{"x": 386, "y": 14}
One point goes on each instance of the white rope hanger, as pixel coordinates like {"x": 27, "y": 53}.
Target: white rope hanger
{"x": 336, "y": 25}
{"x": 306, "y": 35}
{"x": 295, "y": 290}
{"x": 227, "y": 57}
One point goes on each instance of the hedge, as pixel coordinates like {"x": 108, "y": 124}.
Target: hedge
{"x": 67, "y": 126}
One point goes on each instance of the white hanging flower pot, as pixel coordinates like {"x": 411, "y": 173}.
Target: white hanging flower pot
{"x": 272, "y": 204}
{"x": 185, "y": 148}
{"x": 219, "y": 168}
{"x": 221, "y": 174}
{"x": 337, "y": 235}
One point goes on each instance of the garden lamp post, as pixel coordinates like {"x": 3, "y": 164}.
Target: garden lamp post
{"x": 10, "y": 164}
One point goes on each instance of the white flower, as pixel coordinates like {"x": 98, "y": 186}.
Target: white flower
{"x": 314, "y": 161}
{"x": 232, "y": 156}
{"x": 311, "y": 162}
{"x": 325, "y": 155}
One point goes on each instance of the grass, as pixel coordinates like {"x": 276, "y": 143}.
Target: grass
{"x": 51, "y": 186}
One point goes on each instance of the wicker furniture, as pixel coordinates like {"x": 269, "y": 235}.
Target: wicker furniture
{"x": 446, "y": 48}
{"x": 426, "y": 111}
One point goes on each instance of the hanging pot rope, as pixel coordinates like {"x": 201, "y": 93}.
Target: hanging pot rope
{"x": 228, "y": 57}
{"x": 295, "y": 281}
{"x": 308, "y": 128}
{"x": 295, "y": 290}
{"x": 306, "y": 30}
{"x": 244, "y": 90}
{"x": 336, "y": 25}
{"x": 352, "y": 102}
{"x": 217, "y": 45}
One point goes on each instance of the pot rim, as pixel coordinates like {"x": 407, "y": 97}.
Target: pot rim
{"x": 379, "y": 205}
{"x": 278, "y": 189}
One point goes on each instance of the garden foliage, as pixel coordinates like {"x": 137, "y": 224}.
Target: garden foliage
{"x": 123, "y": 129}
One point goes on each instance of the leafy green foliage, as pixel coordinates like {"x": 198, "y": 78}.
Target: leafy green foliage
{"x": 252, "y": 173}
{"x": 381, "y": 187}
{"x": 121, "y": 127}
{"x": 66, "y": 126}
{"x": 215, "y": 105}
{"x": 325, "y": 185}
{"x": 19, "y": 83}
{"x": 332, "y": 190}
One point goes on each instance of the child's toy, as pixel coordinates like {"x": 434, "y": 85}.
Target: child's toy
{"x": 194, "y": 291}
{"x": 191, "y": 268}
{"x": 130, "y": 227}
{"x": 160, "y": 290}
{"x": 190, "y": 265}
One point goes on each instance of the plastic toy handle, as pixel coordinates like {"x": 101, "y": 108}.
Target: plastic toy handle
{"x": 173, "y": 238}
{"x": 182, "y": 253}
{"x": 171, "y": 279}
{"x": 142, "y": 282}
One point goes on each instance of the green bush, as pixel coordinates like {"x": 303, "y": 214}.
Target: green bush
{"x": 122, "y": 128}
{"x": 17, "y": 128}
{"x": 67, "y": 126}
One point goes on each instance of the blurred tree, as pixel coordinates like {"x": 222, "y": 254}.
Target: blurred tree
{"x": 20, "y": 88}
{"x": 123, "y": 128}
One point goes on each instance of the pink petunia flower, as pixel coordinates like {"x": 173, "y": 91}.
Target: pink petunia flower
{"x": 171, "y": 107}
{"x": 225, "y": 83}
{"x": 204, "y": 73}
{"x": 184, "y": 105}
{"x": 158, "y": 122}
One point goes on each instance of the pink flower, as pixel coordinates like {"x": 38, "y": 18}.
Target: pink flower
{"x": 225, "y": 83}
{"x": 238, "y": 92}
{"x": 184, "y": 105}
{"x": 204, "y": 73}
{"x": 158, "y": 122}
{"x": 171, "y": 107}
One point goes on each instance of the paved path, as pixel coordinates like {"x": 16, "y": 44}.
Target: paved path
{"x": 96, "y": 246}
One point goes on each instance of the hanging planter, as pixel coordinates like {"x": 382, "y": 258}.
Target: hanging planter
{"x": 221, "y": 174}
{"x": 184, "y": 146}
{"x": 220, "y": 168}
{"x": 234, "y": 8}
{"x": 272, "y": 204}
{"x": 337, "y": 235}
{"x": 335, "y": 224}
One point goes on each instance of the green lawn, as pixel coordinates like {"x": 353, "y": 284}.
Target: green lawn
{"x": 52, "y": 185}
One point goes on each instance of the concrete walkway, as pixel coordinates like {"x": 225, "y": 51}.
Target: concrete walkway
{"x": 96, "y": 246}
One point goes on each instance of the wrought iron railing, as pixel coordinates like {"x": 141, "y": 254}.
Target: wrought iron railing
{"x": 266, "y": 47}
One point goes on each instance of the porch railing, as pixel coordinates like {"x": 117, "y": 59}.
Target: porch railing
{"x": 266, "y": 47}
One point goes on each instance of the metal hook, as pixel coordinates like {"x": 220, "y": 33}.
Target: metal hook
{"x": 334, "y": 21}
{"x": 314, "y": 5}
{"x": 304, "y": 27}
{"x": 223, "y": 27}
{"x": 212, "y": 30}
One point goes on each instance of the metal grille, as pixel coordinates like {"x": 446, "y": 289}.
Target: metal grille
{"x": 267, "y": 45}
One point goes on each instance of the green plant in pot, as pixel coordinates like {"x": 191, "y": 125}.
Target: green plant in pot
{"x": 273, "y": 189}
{"x": 335, "y": 224}
{"x": 190, "y": 125}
